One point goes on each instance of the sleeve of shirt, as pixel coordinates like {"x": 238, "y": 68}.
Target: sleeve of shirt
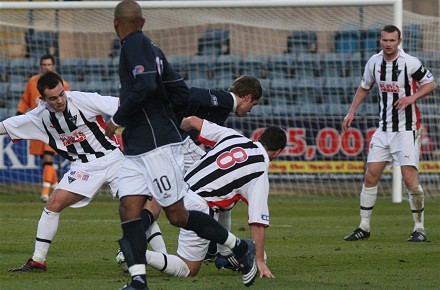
{"x": 141, "y": 64}
{"x": 24, "y": 128}
{"x": 258, "y": 209}
{"x": 420, "y": 73}
{"x": 100, "y": 105}
{"x": 212, "y": 133}
{"x": 211, "y": 98}
{"x": 368, "y": 76}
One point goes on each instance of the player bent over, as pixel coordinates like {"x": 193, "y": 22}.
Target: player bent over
{"x": 72, "y": 124}
{"x": 214, "y": 106}
{"x": 235, "y": 169}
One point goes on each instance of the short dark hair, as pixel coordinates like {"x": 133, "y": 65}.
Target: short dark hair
{"x": 245, "y": 85}
{"x": 48, "y": 80}
{"x": 47, "y": 56}
{"x": 273, "y": 138}
{"x": 391, "y": 29}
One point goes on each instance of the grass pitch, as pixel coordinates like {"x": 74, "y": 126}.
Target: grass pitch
{"x": 304, "y": 244}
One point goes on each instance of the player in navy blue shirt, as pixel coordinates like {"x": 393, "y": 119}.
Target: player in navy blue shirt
{"x": 153, "y": 152}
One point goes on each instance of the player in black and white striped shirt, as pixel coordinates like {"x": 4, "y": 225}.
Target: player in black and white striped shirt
{"x": 402, "y": 80}
{"x": 72, "y": 124}
{"x": 235, "y": 169}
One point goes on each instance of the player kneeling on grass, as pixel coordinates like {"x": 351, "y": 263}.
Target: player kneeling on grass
{"x": 71, "y": 123}
{"x": 235, "y": 169}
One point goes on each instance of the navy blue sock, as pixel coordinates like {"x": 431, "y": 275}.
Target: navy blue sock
{"x": 205, "y": 226}
{"x": 240, "y": 248}
{"x": 133, "y": 231}
{"x": 147, "y": 218}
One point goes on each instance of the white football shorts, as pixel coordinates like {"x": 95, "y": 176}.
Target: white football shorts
{"x": 157, "y": 173}
{"x": 87, "y": 178}
{"x": 190, "y": 246}
{"x": 402, "y": 148}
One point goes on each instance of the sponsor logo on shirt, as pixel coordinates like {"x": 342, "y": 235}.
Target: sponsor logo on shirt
{"x": 265, "y": 217}
{"x": 389, "y": 88}
{"x": 138, "y": 70}
{"x": 214, "y": 101}
{"x": 73, "y": 138}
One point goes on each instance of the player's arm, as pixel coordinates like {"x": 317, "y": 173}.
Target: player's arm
{"x": 23, "y": 128}
{"x": 367, "y": 82}
{"x": 2, "y": 129}
{"x": 427, "y": 84}
{"x": 257, "y": 234}
{"x": 140, "y": 62}
{"x": 190, "y": 123}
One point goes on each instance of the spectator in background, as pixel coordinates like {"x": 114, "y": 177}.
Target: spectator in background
{"x": 29, "y": 101}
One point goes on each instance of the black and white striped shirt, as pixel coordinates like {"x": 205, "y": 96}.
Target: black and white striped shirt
{"x": 396, "y": 79}
{"x": 234, "y": 169}
{"x": 76, "y": 134}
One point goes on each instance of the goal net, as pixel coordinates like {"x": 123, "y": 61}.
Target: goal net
{"x": 309, "y": 60}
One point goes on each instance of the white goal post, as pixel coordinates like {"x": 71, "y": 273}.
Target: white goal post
{"x": 308, "y": 55}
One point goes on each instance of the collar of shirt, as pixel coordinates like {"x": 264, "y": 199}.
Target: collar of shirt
{"x": 128, "y": 36}
{"x": 400, "y": 52}
{"x": 234, "y": 98}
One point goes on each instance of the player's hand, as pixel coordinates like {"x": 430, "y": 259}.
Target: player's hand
{"x": 404, "y": 102}
{"x": 264, "y": 270}
{"x": 110, "y": 128}
{"x": 346, "y": 123}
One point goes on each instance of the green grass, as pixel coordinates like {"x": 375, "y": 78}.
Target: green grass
{"x": 304, "y": 246}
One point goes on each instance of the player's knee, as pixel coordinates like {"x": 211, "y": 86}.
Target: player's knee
{"x": 194, "y": 268}
{"x": 177, "y": 214}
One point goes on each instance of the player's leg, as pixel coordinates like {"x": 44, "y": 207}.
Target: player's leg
{"x": 76, "y": 189}
{"x": 378, "y": 157}
{"x": 408, "y": 156}
{"x": 206, "y": 227}
{"x": 47, "y": 228}
{"x": 50, "y": 178}
{"x": 416, "y": 201}
{"x": 133, "y": 194}
{"x": 150, "y": 214}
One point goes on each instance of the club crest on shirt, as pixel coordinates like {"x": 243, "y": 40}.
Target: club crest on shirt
{"x": 71, "y": 179}
{"x": 138, "y": 70}
{"x": 398, "y": 71}
{"x": 73, "y": 119}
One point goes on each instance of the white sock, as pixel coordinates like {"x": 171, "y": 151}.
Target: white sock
{"x": 46, "y": 231}
{"x": 368, "y": 200}
{"x": 169, "y": 264}
{"x": 224, "y": 218}
{"x": 231, "y": 241}
{"x": 155, "y": 239}
{"x": 417, "y": 203}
